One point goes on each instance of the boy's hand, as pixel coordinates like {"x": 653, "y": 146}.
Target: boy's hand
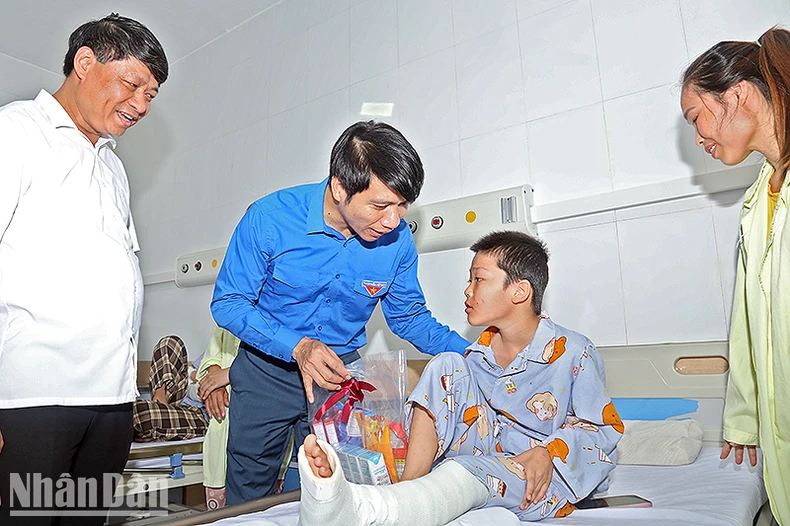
{"x": 537, "y": 470}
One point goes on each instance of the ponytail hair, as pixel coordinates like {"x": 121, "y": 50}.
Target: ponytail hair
{"x": 765, "y": 63}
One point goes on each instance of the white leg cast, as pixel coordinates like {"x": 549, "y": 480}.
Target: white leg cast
{"x": 432, "y": 500}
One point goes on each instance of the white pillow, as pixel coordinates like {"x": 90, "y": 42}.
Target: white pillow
{"x": 659, "y": 442}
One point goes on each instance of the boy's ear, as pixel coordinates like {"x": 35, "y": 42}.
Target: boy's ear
{"x": 522, "y": 292}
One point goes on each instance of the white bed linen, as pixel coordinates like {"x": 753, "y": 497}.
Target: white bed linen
{"x": 709, "y": 492}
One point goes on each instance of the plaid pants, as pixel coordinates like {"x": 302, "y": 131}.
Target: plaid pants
{"x": 157, "y": 421}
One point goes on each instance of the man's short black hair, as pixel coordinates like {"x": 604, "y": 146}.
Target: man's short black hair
{"x": 372, "y": 148}
{"x": 521, "y": 256}
{"x": 116, "y": 37}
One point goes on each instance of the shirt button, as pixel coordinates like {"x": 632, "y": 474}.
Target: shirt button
{"x": 337, "y": 276}
{"x": 329, "y": 301}
{"x": 320, "y": 328}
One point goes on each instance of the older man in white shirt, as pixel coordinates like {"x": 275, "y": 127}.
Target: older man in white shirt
{"x": 71, "y": 292}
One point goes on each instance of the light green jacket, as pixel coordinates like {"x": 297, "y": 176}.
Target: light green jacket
{"x": 222, "y": 350}
{"x": 757, "y": 408}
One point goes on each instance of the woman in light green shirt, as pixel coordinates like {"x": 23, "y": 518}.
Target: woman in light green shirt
{"x": 737, "y": 97}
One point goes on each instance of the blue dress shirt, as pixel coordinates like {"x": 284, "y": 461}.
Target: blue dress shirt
{"x": 287, "y": 274}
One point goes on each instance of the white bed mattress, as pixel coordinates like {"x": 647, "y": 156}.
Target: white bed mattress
{"x": 708, "y": 492}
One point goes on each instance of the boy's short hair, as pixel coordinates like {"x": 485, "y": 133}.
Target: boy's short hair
{"x": 520, "y": 256}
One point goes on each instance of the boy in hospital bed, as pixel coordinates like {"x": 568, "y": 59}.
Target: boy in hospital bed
{"x": 522, "y": 422}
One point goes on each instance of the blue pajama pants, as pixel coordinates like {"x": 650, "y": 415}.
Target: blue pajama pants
{"x": 468, "y": 433}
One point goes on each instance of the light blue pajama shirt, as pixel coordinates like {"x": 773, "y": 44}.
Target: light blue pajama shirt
{"x": 552, "y": 394}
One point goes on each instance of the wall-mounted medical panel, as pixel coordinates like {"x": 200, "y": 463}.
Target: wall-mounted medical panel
{"x": 457, "y": 223}
{"x": 199, "y": 268}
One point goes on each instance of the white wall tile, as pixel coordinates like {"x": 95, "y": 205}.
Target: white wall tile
{"x": 424, "y": 27}
{"x": 640, "y": 44}
{"x": 156, "y": 252}
{"x": 321, "y": 10}
{"x": 428, "y": 95}
{"x": 648, "y": 139}
{"x": 374, "y": 38}
{"x": 23, "y": 80}
{"x": 289, "y": 67}
{"x": 495, "y": 160}
{"x": 247, "y": 86}
{"x": 568, "y": 155}
{"x": 328, "y": 56}
{"x": 490, "y": 89}
{"x": 442, "y": 166}
{"x": 184, "y": 312}
{"x": 671, "y": 280}
{"x": 726, "y": 222}
{"x": 5, "y": 98}
{"x": 707, "y": 22}
{"x": 384, "y": 88}
{"x": 443, "y": 276}
{"x": 219, "y": 166}
{"x": 527, "y": 8}
{"x": 472, "y": 18}
{"x": 559, "y": 62}
{"x": 288, "y": 19}
{"x": 585, "y": 292}
{"x": 287, "y": 164}
{"x": 327, "y": 117}
{"x": 151, "y": 201}
{"x": 250, "y": 162}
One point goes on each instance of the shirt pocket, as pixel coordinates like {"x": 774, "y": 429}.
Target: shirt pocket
{"x": 294, "y": 284}
{"x": 372, "y": 288}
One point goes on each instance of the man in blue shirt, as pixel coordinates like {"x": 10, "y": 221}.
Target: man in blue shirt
{"x": 302, "y": 274}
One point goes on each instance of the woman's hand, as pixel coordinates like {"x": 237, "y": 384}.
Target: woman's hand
{"x": 729, "y": 446}
{"x": 215, "y": 378}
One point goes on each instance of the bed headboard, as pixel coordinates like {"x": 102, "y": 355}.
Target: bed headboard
{"x": 661, "y": 381}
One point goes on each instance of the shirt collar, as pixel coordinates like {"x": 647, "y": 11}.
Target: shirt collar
{"x": 754, "y": 192}
{"x": 315, "y": 213}
{"x": 60, "y": 119}
{"x": 545, "y": 333}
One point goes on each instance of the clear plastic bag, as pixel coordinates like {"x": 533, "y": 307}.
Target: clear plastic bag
{"x": 365, "y": 420}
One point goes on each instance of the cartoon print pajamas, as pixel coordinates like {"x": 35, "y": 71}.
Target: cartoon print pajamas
{"x": 552, "y": 394}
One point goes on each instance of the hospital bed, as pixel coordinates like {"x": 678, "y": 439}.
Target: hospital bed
{"x": 667, "y": 381}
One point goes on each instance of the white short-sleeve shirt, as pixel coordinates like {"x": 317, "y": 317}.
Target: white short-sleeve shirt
{"x": 71, "y": 292}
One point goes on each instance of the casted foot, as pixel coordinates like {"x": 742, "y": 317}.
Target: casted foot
{"x": 316, "y": 458}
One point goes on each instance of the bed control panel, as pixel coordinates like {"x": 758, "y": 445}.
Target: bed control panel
{"x": 457, "y": 223}
{"x": 199, "y": 268}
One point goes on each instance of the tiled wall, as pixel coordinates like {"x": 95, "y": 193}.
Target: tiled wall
{"x": 572, "y": 97}
{"x": 20, "y": 80}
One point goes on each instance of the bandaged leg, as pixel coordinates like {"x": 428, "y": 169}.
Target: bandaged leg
{"x": 329, "y": 500}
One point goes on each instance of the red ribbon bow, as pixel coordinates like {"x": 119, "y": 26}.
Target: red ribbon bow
{"x": 354, "y": 389}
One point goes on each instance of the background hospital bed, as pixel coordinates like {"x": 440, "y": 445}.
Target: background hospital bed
{"x": 673, "y": 380}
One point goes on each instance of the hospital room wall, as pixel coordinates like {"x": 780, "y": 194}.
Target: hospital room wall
{"x": 22, "y": 80}
{"x": 574, "y": 98}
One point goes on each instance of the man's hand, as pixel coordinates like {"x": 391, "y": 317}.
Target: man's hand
{"x": 215, "y": 378}
{"x": 729, "y": 446}
{"x": 216, "y": 402}
{"x": 537, "y": 470}
{"x": 318, "y": 363}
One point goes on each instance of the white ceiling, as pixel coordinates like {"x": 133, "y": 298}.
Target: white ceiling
{"x": 37, "y": 31}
